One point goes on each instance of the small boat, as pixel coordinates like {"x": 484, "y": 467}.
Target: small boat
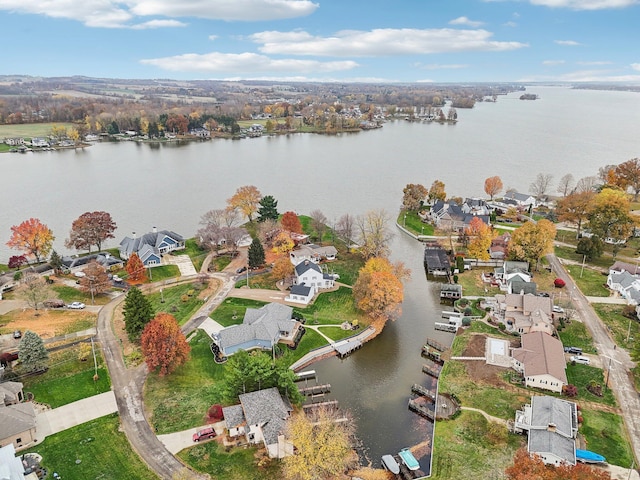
{"x": 408, "y": 459}
{"x": 389, "y": 463}
{"x": 586, "y": 456}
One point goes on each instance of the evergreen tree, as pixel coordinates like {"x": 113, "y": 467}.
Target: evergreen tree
{"x": 268, "y": 209}
{"x": 55, "y": 261}
{"x": 256, "y": 253}
{"x": 137, "y": 313}
{"x": 32, "y": 353}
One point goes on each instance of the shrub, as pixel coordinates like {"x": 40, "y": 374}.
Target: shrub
{"x": 455, "y": 279}
{"x": 502, "y": 327}
{"x": 466, "y": 321}
{"x": 468, "y": 311}
{"x": 184, "y": 297}
{"x": 570, "y": 390}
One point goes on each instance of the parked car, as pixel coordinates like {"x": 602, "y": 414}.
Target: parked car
{"x": 17, "y": 334}
{"x": 53, "y": 303}
{"x": 580, "y": 359}
{"x": 8, "y": 357}
{"x": 204, "y": 434}
{"x": 76, "y": 305}
{"x": 558, "y": 309}
{"x": 241, "y": 270}
{"x": 574, "y": 350}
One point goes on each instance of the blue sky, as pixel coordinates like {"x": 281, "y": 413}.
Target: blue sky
{"x": 325, "y": 40}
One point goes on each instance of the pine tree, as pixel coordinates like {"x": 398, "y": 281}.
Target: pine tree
{"x": 268, "y": 209}
{"x": 55, "y": 261}
{"x": 137, "y": 313}
{"x": 32, "y": 353}
{"x": 256, "y": 253}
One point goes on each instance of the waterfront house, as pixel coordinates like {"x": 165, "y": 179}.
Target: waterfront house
{"x": 551, "y": 425}
{"x": 311, "y": 275}
{"x": 106, "y": 260}
{"x": 39, "y": 142}
{"x": 151, "y": 246}
{"x": 261, "y": 418}
{"x": 522, "y": 200}
{"x": 300, "y": 294}
{"x": 541, "y": 361}
{"x": 14, "y": 142}
{"x": 313, "y": 253}
{"x": 524, "y": 312}
{"x": 451, "y": 216}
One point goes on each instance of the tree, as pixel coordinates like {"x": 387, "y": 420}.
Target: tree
{"x": 586, "y": 184}
{"x": 374, "y": 235}
{"x": 282, "y": 268}
{"x": 493, "y": 186}
{"x": 90, "y": 228}
{"x": 16, "y": 261}
{"x": 378, "y": 292}
{"x": 55, "y": 261}
{"x": 135, "y": 269}
{"x": 268, "y": 209}
{"x": 282, "y": 244}
{"x": 628, "y": 174}
{"x": 95, "y": 280}
{"x": 436, "y": 192}
{"x": 532, "y": 241}
{"x": 529, "y": 467}
{"x": 267, "y": 230}
{"x": 480, "y": 235}
{"x": 345, "y": 227}
{"x": 137, "y": 313}
{"x": 291, "y": 223}
{"x": 323, "y": 446}
{"x": 32, "y": 237}
{"x": 256, "y": 253}
{"x": 592, "y": 247}
{"x": 565, "y": 184}
{"x": 318, "y": 223}
{"x": 246, "y": 200}
{"x": 609, "y": 215}
{"x": 35, "y": 290}
{"x": 413, "y": 196}
{"x": 32, "y": 353}
{"x": 575, "y": 207}
{"x": 163, "y": 344}
{"x": 541, "y": 184}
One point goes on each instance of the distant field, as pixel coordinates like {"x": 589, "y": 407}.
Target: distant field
{"x": 29, "y": 129}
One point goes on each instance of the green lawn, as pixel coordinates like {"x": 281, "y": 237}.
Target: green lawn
{"x": 569, "y": 253}
{"x": 581, "y": 376}
{"x": 71, "y": 294}
{"x": 163, "y": 272}
{"x": 347, "y": 265}
{"x": 96, "y": 449}
{"x": 231, "y": 311}
{"x": 333, "y": 308}
{"x": 605, "y": 434}
{"x": 221, "y": 262}
{"x": 621, "y": 327}
{"x": 237, "y": 464}
{"x": 575, "y": 334}
{"x": 336, "y": 333}
{"x": 28, "y": 130}
{"x": 310, "y": 341}
{"x": 196, "y": 253}
{"x": 174, "y": 304}
{"x": 264, "y": 281}
{"x": 591, "y": 283}
{"x": 472, "y": 284}
{"x": 414, "y": 223}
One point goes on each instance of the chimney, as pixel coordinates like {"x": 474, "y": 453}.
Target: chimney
{"x": 133, "y": 234}
{"x": 154, "y": 230}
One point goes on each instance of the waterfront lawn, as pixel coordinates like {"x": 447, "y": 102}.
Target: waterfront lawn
{"x": 337, "y": 333}
{"x": 605, "y": 434}
{"x": 619, "y": 326}
{"x": 472, "y": 284}
{"x": 414, "y": 223}
{"x": 333, "y": 308}
{"x": 347, "y": 265}
{"x": 96, "y": 449}
{"x": 310, "y": 341}
{"x": 29, "y": 130}
{"x": 196, "y": 253}
{"x": 472, "y": 447}
{"x": 180, "y": 301}
{"x": 231, "y": 311}
{"x": 236, "y": 464}
{"x": 180, "y": 401}
{"x": 592, "y": 283}
{"x": 582, "y": 376}
{"x": 575, "y": 334}
{"x": 460, "y": 341}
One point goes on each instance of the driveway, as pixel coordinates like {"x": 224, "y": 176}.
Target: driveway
{"x": 183, "y": 262}
{"x": 61, "y": 418}
{"x": 174, "y": 442}
{"x": 259, "y": 294}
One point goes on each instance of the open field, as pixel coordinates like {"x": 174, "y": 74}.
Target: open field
{"x": 28, "y": 130}
{"x": 47, "y": 323}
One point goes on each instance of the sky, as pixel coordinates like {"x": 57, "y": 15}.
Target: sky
{"x": 383, "y": 41}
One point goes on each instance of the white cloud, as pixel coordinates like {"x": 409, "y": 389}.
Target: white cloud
{"x": 510, "y": 23}
{"x": 436, "y": 66}
{"x": 465, "y": 21}
{"x": 567, "y": 43}
{"x": 635, "y": 66}
{"x": 593, "y": 63}
{"x": 244, "y": 63}
{"x": 158, "y": 24}
{"x": 597, "y": 76}
{"x": 586, "y": 4}
{"x": 553, "y": 62}
{"x": 314, "y": 79}
{"x": 120, "y": 14}
{"x": 381, "y": 42}
{"x": 212, "y": 37}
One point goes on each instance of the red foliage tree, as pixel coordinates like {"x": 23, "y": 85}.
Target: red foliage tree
{"x": 33, "y": 237}
{"x": 163, "y": 344}
{"x": 526, "y": 467}
{"x": 90, "y": 228}
{"x": 16, "y": 261}
{"x": 291, "y": 222}
{"x": 136, "y": 270}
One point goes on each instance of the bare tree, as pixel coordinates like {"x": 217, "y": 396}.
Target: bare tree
{"x": 374, "y": 234}
{"x": 232, "y": 237}
{"x": 213, "y": 217}
{"x": 35, "y": 290}
{"x": 565, "y": 185}
{"x": 268, "y": 230}
{"x": 319, "y": 223}
{"x": 541, "y": 184}
{"x": 210, "y": 236}
{"x": 345, "y": 227}
{"x": 586, "y": 184}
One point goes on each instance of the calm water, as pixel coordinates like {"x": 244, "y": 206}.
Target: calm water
{"x": 170, "y": 186}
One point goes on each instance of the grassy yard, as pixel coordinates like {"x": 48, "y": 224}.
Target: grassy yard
{"x": 581, "y": 376}
{"x": 71, "y": 294}
{"x": 237, "y": 464}
{"x": 620, "y": 326}
{"x": 333, "y": 308}
{"x": 163, "y": 272}
{"x": 181, "y": 301}
{"x": 575, "y": 334}
{"x": 221, "y": 262}
{"x": 231, "y": 311}
{"x": 336, "y": 333}
{"x": 196, "y": 253}
{"x": 569, "y": 253}
{"x": 605, "y": 434}
{"x": 472, "y": 284}
{"x": 47, "y": 323}
{"x": 310, "y": 341}
{"x": 591, "y": 283}
{"x": 264, "y": 281}
{"x": 96, "y": 449}
{"x": 347, "y": 265}
{"x": 414, "y": 223}
{"x": 471, "y": 447}
{"x": 28, "y": 130}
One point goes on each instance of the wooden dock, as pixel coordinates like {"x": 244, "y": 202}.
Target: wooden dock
{"x": 432, "y": 354}
{"x": 423, "y": 391}
{"x": 422, "y": 410}
{"x": 445, "y": 327}
{"x": 435, "y": 344}
{"x": 330, "y": 404}
{"x": 316, "y": 390}
{"x": 434, "y": 372}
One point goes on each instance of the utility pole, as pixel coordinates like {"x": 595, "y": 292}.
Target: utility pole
{"x": 95, "y": 363}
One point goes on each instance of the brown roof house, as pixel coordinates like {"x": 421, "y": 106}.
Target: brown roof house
{"x": 524, "y": 312}
{"x": 17, "y": 418}
{"x": 541, "y": 361}
{"x": 261, "y": 418}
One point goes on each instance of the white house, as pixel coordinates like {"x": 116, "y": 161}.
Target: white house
{"x": 522, "y": 199}
{"x": 300, "y": 294}
{"x": 541, "y": 361}
{"x": 313, "y": 253}
{"x": 311, "y": 275}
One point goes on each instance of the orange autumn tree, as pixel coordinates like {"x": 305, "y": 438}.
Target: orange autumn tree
{"x": 163, "y": 344}
{"x": 493, "y": 186}
{"x": 526, "y": 467}
{"x": 282, "y": 244}
{"x": 247, "y": 200}
{"x": 379, "y": 292}
{"x": 480, "y": 235}
{"x": 135, "y": 268}
{"x": 32, "y": 237}
{"x": 291, "y": 222}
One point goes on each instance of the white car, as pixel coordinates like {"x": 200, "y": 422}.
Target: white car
{"x": 580, "y": 359}
{"x": 76, "y": 305}
{"x": 558, "y": 309}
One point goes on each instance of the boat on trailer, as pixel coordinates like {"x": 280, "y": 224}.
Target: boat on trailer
{"x": 389, "y": 463}
{"x": 408, "y": 459}
{"x": 586, "y": 456}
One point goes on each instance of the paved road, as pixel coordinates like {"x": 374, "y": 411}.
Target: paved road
{"x": 616, "y": 360}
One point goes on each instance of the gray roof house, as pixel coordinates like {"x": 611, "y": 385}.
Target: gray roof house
{"x": 18, "y": 424}
{"x": 311, "y": 275}
{"x": 151, "y": 246}
{"x": 300, "y": 294}
{"x": 522, "y": 199}
{"x": 261, "y": 417}
{"x": 551, "y": 425}
{"x": 105, "y": 259}
{"x": 626, "y": 284}
{"x": 313, "y": 253}
{"x": 261, "y": 328}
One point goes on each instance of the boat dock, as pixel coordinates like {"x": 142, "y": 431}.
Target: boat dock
{"x": 423, "y": 391}
{"x": 445, "y": 327}
{"x": 345, "y": 347}
{"x": 435, "y": 344}
{"x": 421, "y": 409}
{"x": 315, "y": 390}
{"x": 432, "y": 354}
{"x": 432, "y": 371}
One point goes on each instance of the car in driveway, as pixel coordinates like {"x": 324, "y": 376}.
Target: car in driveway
{"x": 580, "y": 359}
{"x": 76, "y": 306}
{"x": 558, "y": 309}
{"x": 574, "y": 350}
{"x": 204, "y": 434}
{"x": 241, "y": 270}
{"x": 17, "y": 334}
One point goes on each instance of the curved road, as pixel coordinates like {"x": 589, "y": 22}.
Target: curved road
{"x": 614, "y": 360}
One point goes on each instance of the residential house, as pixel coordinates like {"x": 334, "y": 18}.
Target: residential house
{"x": 313, "y": 253}
{"x": 11, "y": 467}
{"x": 626, "y": 285}
{"x": 523, "y": 200}
{"x": 151, "y": 246}
{"x": 18, "y": 418}
{"x": 298, "y": 238}
{"x": 519, "y": 286}
{"x": 15, "y": 141}
{"x": 106, "y": 260}
{"x": 200, "y": 132}
{"x": 261, "y": 328}
{"x": 261, "y": 418}
{"x": 450, "y": 216}
{"x": 300, "y": 294}
{"x": 551, "y": 425}
{"x": 311, "y": 275}
{"x": 476, "y": 206}
{"x": 39, "y": 142}
{"x": 524, "y": 312}
{"x": 510, "y": 271}
{"x": 619, "y": 267}
{"x": 541, "y": 361}
{"x": 500, "y": 246}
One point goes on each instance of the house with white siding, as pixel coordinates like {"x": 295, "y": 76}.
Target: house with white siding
{"x": 541, "y": 361}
